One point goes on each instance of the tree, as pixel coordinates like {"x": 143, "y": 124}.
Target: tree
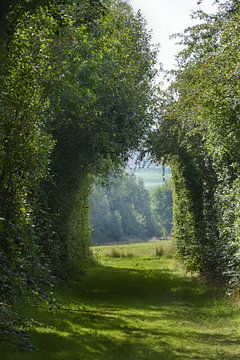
{"x": 101, "y": 105}
{"x": 122, "y": 211}
{"x": 69, "y": 110}
{"x": 199, "y": 136}
{"x": 162, "y": 208}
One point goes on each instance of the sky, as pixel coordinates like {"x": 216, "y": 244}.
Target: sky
{"x": 166, "y": 17}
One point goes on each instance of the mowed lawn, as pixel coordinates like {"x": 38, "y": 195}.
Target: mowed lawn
{"x": 136, "y": 307}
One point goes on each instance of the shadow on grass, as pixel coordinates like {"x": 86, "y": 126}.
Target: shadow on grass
{"x": 133, "y": 314}
{"x": 127, "y": 286}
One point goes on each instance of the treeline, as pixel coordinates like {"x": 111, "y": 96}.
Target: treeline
{"x": 76, "y": 96}
{"x": 199, "y": 136}
{"x": 124, "y": 210}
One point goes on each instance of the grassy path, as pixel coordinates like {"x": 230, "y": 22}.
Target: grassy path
{"x": 139, "y": 308}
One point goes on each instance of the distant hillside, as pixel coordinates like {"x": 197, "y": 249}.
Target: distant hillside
{"x": 152, "y": 177}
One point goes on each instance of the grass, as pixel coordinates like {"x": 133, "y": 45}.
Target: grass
{"x": 139, "y": 308}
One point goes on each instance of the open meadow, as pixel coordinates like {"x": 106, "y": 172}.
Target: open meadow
{"x": 135, "y": 303}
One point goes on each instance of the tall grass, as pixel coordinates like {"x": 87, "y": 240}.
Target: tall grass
{"x": 159, "y": 251}
{"x": 117, "y": 254}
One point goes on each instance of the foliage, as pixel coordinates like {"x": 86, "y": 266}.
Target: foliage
{"x": 161, "y": 202}
{"x": 121, "y": 211}
{"x": 159, "y": 251}
{"x": 115, "y": 253}
{"x": 101, "y": 103}
{"x": 24, "y": 162}
{"x": 75, "y": 98}
{"x": 199, "y": 136}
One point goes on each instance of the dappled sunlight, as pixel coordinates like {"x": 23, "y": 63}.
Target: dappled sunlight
{"x": 140, "y": 313}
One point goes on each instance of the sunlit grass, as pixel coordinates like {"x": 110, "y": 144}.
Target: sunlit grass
{"x": 139, "y": 308}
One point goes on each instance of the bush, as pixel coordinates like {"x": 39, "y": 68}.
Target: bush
{"x": 159, "y": 251}
{"x": 116, "y": 253}
{"x": 168, "y": 250}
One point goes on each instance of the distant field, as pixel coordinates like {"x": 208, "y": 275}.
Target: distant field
{"x": 152, "y": 178}
{"x": 136, "y": 307}
{"x": 142, "y": 250}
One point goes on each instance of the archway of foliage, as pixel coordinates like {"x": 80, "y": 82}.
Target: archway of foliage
{"x": 76, "y": 97}
{"x": 101, "y": 107}
{"x": 199, "y": 135}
